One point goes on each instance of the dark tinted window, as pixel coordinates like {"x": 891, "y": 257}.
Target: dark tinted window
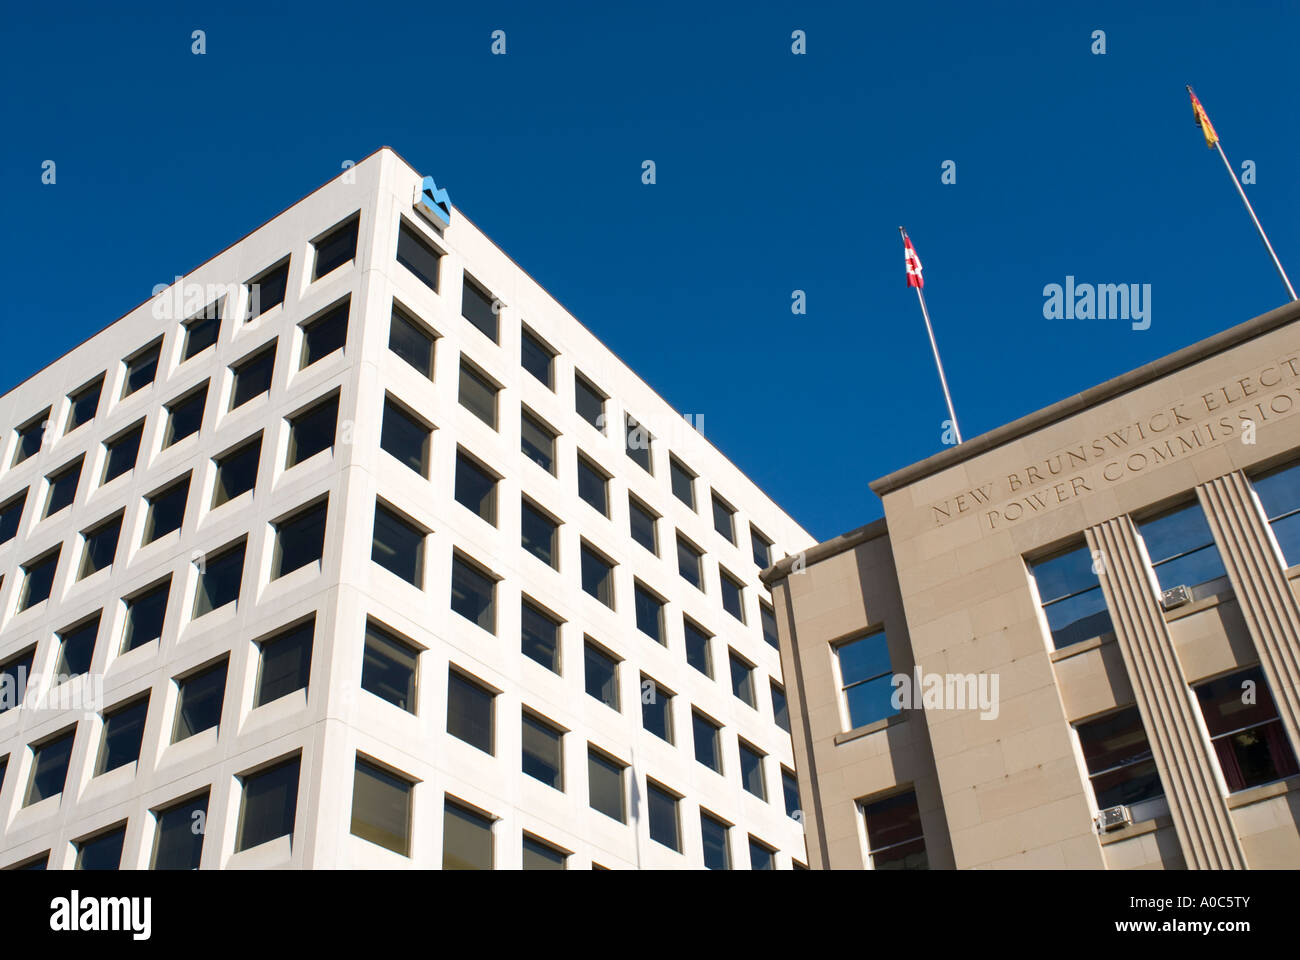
{"x": 683, "y": 483}
{"x": 14, "y": 674}
{"x": 656, "y": 711}
{"x": 398, "y": 546}
{"x": 198, "y": 705}
{"x": 166, "y": 510}
{"x": 480, "y": 308}
{"x": 100, "y": 547}
{"x": 697, "y": 649}
{"x": 732, "y": 596}
{"x": 38, "y": 579}
{"x": 63, "y": 487}
{"x": 411, "y": 342}
{"x": 50, "y": 767}
{"x": 123, "y": 734}
{"x": 336, "y": 248}
{"x": 418, "y": 256}
{"x": 478, "y": 395}
{"x": 717, "y": 854}
{"x": 724, "y": 520}
{"x": 542, "y": 754}
{"x": 141, "y": 369}
{"x": 601, "y": 676}
{"x": 270, "y": 805}
{"x": 661, "y": 807}
{"x": 642, "y": 523}
{"x": 312, "y": 431}
{"x": 589, "y": 402}
{"x": 688, "y": 563}
{"x": 751, "y": 771}
{"x": 144, "y": 616}
{"x": 540, "y": 638}
{"x": 605, "y": 785}
{"x": 103, "y": 852}
{"x": 537, "y": 358}
{"x": 201, "y": 331}
{"x": 252, "y": 376}
{"x": 381, "y": 807}
{"x": 11, "y": 514}
{"x": 597, "y": 576}
{"x": 539, "y": 533}
{"x": 593, "y": 485}
{"x": 122, "y": 451}
{"x": 469, "y": 711}
{"x": 286, "y": 663}
{"x": 537, "y": 441}
{"x": 30, "y": 436}
{"x": 649, "y": 614}
{"x": 237, "y": 471}
{"x": 219, "y": 580}
{"x": 638, "y": 443}
{"x": 476, "y": 489}
{"x": 267, "y": 290}
{"x": 85, "y": 403}
{"x": 299, "y": 540}
{"x": 325, "y": 334}
{"x": 388, "y": 668}
{"x": 1070, "y": 591}
{"x": 405, "y": 437}
{"x": 472, "y": 594}
{"x": 77, "y": 648}
{"x": 707, "y": 749}
{"x": 178, "y": 836}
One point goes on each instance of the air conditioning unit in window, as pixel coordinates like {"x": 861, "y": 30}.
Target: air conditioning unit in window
{"x": 1175, "y": 597}
{"x": 1113, "y": 818}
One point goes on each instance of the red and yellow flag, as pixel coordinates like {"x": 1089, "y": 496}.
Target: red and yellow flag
{"x": 1203, "y": 120}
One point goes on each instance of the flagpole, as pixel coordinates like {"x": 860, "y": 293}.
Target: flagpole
{"x": 920, "y": 295}
{"x": 1251, "y": 210}
{"x": 1212, "y": 138}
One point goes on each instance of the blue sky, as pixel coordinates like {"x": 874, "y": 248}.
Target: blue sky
{"x": 775, "y": 173}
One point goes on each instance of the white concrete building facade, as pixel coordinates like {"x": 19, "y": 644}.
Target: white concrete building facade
{"x": 315, "y": 607}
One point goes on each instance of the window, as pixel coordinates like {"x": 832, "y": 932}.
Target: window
{"x": 267, "y": 289}
{"x": 638, "y": 440}
{"x": 762, "y": 548}
{"x": 597, "y": 576}
{"x": 177, "y": 844}
{"x": 100, "y": 545}
{"x": 751, "y": 771}
{"x": 398, "y": 545}
{"x": 537, "y": 358}
{"x": 539, "y": 855}
{"x": 381, "y": 807}
{"x": 540, "y": 639}
{"x": 198, "y": 705}
{"x": 237, "y": 471}
{"x": 312, "y": 430}
{"x": 219, "y": 580}
{"x": 388, "y": 667}
{"x": 1120, "y": 766}
{"x": 325, "y": 334}
{"x": 688, "y": 562}
{"x": 1071, "y": 595}
{"x": 285, "y": 663}
{"x": 661, "y": 808}
{"x": 761, "y": 856}
{"x": 252, "y": 376}
{"x": 642, "y": 522}
{"x": 605, "y": 784}
{"x": 412, "y": 341}
{"x": 123, "y": 734}
{"x": 30, "y": 436}
{"x": 202, "y": 330}
{"x": 768, "y": 617}
{"x": 38, "y": 579}
{"x": 476, "y": 488}
{"x": 683, "y": 482}
{"x": 894, "y": 837}
{"x": 1181, "y": 548}
{"x": 656, "y": 709}
{"x": 697, "y": 649}
{"x": 865, "y": 675}
{"x": 299, "y": 540}
{"x": 166, "y": 509}
{"x": 335, "y": 248}
{"x": 479, "y": 307}
{"x": 602, "y": 675}
{"x": 49, "y": 766}
{"x": 466, "y": 839}
{"x": 543, "y": 757}
{"x": 733, "y": 595}
{"x": 537, "y": 441}
{"x": 707, "y": 748}
{"x": 539, "y": 533}
{"x": 780, "y": 709}
{"x": 742, "y": 679}
{"x": 11, "y": 515}
{"x": 269, "y": 805}
{"x": 84, "y": 404}
{"x": 14, "y": 674}
{"x": 478, "y": 395}
{"x": 1245, "y": 730}
{"x": 593, "y": 485}
{"x": 717, "y": 851}
{"x": 473, "y": 593}
{"x": 724, "y": 519}
{"x": 121, "y": 452}
{"x": 77, "y": 648}
{"x": 589, "y": 402}
{"x": 469, "y": 711}
{"x": 62, "y": 489}
{"x": 145, "y": 613}
{"x": 418, "y": 255}
{"x": 1279, "y": 495}
{"x": 649, "y": 613}
{"x": 101, "y": 852}
{"x": 406, "y": 437}
{"x": 141, "y": 368}
{"x": 790, "y": 788}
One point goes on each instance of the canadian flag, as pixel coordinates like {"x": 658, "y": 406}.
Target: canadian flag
{"x": 913, "y": 262}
